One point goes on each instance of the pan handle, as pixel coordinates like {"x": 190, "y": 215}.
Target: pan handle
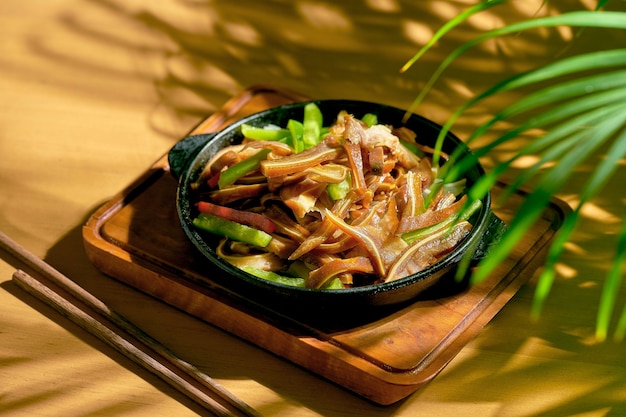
{"x": 492, "y": 235}
{"x": 181, "y": 154}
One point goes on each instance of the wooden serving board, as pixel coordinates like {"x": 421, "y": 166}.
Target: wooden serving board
{"x": 136, "y": 238}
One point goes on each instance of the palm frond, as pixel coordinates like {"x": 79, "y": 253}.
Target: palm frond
{"x": 613, "y": 280}
{"x": 448, "y": 26}
{"x": 611, "y": 20}
{"x": 581, "y": 63}
{"x": 614, "y": 275}
{"x": 579, "y": 116}
{"x": 537, "y": 200}
{"x": 587, "y": 107}
{"x": 557, "y": 138}
{"x": 599, "y": 177}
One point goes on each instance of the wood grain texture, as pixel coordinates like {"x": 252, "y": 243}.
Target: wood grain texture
{"x": 97, "y": 318}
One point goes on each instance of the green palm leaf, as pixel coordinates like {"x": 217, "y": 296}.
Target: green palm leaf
{"x": 591, "y": 189}
{"x": 578, "y": 116}
{"x": 614, "y": 20}
{"x": 536, "y": 202}
{"x": 586, "y": 62}
{"x": 611, "y": 285}
{"x": 448, "y": 26}
{"x": 615, "y": 275}
{"x": 592, "y": 107}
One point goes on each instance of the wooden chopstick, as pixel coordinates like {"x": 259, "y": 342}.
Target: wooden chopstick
{"x": 117, "y": 341}
{"x": 84, "y": 320}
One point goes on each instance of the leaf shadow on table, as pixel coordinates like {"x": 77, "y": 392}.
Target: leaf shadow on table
{"x": 224, "y": 357}
{"x": 104, "y": 375}
{"x": 510, "y": 360}
{"x": 198, "y": 54}
{"x": 553, "y": 362}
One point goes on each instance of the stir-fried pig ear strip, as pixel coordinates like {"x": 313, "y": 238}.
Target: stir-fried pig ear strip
{"x": 427, "y": 251}
{"x": 333, "y": 207}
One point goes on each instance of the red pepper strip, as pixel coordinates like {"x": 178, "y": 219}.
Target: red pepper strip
{"x": 213, "y": 181}
{"x": 248, "y": 218}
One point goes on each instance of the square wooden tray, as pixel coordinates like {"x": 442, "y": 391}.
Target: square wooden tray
{"x": 136, "y": 238}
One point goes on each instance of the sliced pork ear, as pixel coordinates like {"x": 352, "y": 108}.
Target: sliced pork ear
{"x": 302, "y": 196}
{"x": 329, "y": 173}
{"x": 354, "y": 130}
{"x": 411, "y": 197}
{"x": 380, "y": 223}
{"x": 325, "y": 230}
{"x": 376, "y": 159}
{"x": 237, "y": 192}
{"x": 323, "y": 151}
{"x": 447, "y": 199}
{"x": 320, "y": 276}
{"x": 278, "y": 149}
{"x": 406, "y": 158}
{"x": 342, "y": 244}
{"x": 285, "y": 225}
{"x": 355, "y": 159}
{"x": 369, "y": 240}
{"x": 425, "y": 252}
{"x": 223, "y": 158}
{"x": 428, "y": 173}
{"x": 431, "y": 217}
{"x": 266, "y": 260}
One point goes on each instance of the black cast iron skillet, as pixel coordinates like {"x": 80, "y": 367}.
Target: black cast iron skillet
{"x": 188, "y": 157}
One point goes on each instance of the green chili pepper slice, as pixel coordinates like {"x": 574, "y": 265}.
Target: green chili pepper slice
{"x": 312, "y": 125}
{"x": 274, "y": 277}
{"x": 297, "y": 130}
{"x": 340, "y": 190}
{"x": 233, "y": 230}
{"x": 263, "y": 133}
{"x": 370, "y": 119}
{"x": 233, "y": 173}
{"x": 413, "y": 235}
{"x": 333, "y": 284}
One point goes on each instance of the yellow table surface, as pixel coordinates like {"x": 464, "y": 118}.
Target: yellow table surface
{"x": 93, "y": 92}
